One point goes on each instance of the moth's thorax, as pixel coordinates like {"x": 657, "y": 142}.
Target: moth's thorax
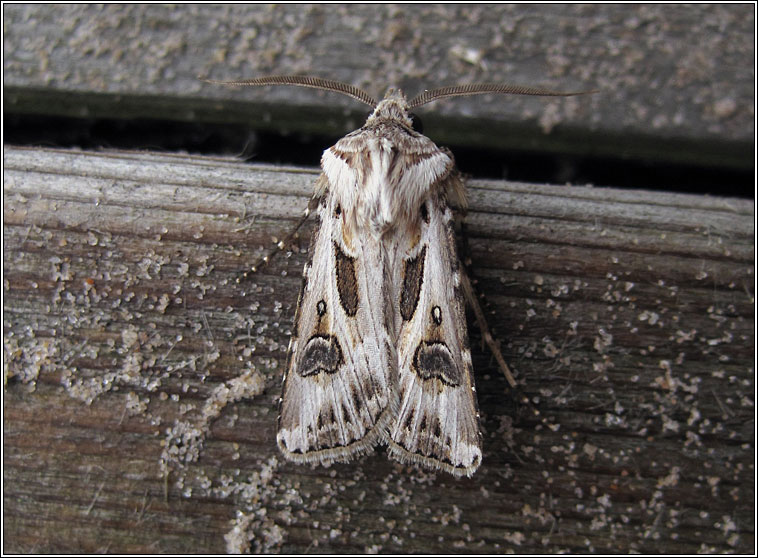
{"x": 381, "y": 173}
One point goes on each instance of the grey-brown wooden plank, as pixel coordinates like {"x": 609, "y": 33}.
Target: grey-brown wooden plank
{"x": 127, "y": 345}
{"x": 676, "y": 81}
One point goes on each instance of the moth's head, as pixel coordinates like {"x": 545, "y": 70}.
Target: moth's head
{"x": 393, "y": 107}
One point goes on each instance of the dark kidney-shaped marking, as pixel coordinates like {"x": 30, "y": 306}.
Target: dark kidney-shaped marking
{"x": 432, "y": 359}
{"x": 322, "y": 353}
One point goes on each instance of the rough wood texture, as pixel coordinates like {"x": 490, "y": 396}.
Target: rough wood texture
{"x": 676, "y": 81}
{"x": 141, "y": 385}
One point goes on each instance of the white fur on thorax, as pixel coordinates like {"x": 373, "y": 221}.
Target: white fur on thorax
{"x": 373, "y": 191}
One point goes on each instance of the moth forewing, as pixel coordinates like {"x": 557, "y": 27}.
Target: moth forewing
{"x": 338, "y": 394}
{"x": 437, "y": 424}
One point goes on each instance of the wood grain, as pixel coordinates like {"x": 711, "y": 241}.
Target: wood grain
{"x": 141, "y": 380}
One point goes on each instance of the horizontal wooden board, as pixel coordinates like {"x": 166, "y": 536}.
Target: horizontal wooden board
{"x": 142, "y": 381}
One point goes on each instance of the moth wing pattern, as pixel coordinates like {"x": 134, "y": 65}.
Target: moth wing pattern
{"x": 437, "y": 423}
{"x": 338, "y": 393}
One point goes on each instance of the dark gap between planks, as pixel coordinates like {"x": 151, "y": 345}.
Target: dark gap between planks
{"x": 305, "y": 150}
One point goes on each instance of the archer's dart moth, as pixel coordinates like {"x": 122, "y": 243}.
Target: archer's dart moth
{"x": 379, "y": 352}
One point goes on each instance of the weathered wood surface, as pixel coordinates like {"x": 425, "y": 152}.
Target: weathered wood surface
{"x": 130, "y": 351}
{"x": 676, "y": 81}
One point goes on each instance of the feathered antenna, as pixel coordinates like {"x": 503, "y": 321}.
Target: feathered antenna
{"x": 480, "y": 88}
{"x": 307, "y": 81}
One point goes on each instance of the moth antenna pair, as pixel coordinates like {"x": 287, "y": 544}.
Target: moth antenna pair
{"x": 421, "y": 99}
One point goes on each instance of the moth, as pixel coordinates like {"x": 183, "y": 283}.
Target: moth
{"x": 379, "y": 353}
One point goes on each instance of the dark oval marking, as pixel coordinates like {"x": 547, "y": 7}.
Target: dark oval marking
{"x": 347, "y": 284}
{"x": 433, "y": 360}
{"x": 413, "y": 279}
{"x": 322, "y": 353}
{"x": 321, "y": 307}
{"x": 338, "y": 210}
